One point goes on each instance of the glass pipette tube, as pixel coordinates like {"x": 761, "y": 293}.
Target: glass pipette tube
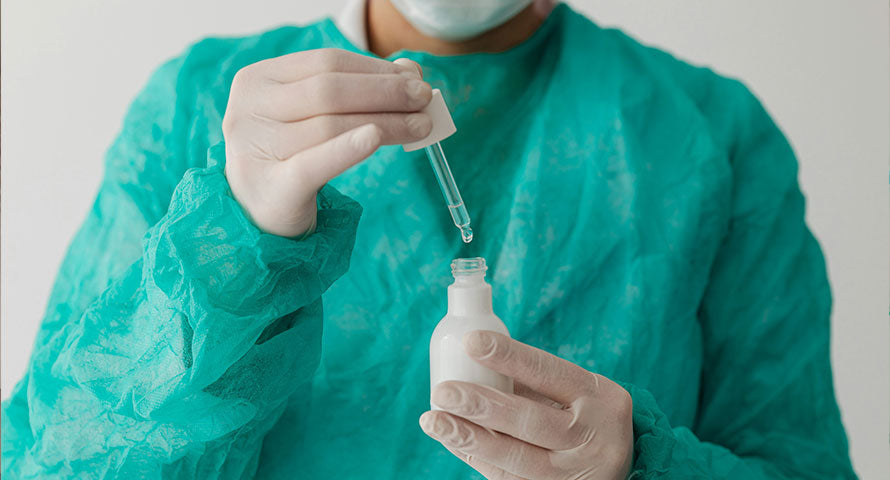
{"x": 449, "y": 191}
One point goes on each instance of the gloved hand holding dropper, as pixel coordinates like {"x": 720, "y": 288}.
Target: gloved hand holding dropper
{"x": 295, "y": 122}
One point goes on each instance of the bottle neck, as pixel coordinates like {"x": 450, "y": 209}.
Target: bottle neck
{"x": 469, "y": 295}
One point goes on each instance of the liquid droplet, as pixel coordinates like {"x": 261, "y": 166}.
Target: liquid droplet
{"x": 466, "y": 234}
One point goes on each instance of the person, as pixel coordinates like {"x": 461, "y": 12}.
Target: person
{"x": 223, "y": 313}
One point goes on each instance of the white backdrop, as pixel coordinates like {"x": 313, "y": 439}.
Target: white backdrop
{"x": 820, "y": 66}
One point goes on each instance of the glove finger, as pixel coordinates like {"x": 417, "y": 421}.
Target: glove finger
{"x": 395, "y": 129}
{"x": 300, "y": 65}
{"x": 489, "y": 471}
{"x": 315, "y": 166}
{"x": 524, "y": 390}
{"x": 503, "y": 451}
{"x": 409, "y": 64}
{"x": 517, "y": 416}
{"x": 550, "y": 375}
{"x": 331, "y": 93}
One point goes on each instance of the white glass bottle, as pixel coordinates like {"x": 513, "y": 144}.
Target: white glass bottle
{"x": 469, "y": 308}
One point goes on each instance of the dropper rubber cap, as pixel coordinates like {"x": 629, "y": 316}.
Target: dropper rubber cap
{"x": 443, "y": 125}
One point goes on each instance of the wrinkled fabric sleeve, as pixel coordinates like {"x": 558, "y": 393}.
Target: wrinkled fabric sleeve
{"x": 767, "y": 407}
{"x": 176, "y": 329}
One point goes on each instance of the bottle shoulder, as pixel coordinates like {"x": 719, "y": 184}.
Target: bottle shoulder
{"x": 460, "y": 324}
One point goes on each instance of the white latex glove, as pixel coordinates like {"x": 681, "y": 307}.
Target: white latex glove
{"x": 563, "y": 422}
{"x": 296, "y": 121}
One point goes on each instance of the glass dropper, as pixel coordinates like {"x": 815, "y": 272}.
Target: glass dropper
{"x": 449, "y": 190}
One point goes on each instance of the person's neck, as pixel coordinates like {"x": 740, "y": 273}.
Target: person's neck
{"x": 389, "y": 32}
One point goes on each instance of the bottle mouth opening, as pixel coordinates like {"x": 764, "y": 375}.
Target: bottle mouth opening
{"x": 468, "y": 266}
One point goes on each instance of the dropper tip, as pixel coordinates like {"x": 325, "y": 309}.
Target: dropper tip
{"x": 466, "y": 234}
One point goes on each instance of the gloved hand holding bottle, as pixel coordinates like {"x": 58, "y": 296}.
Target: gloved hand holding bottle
{"x": 295, "y": 122}
{"x": 563, "y": 421}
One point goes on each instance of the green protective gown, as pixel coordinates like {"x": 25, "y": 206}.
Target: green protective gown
{"x": 641, "y": 218}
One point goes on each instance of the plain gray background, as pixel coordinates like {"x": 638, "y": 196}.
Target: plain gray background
{"x": 821, "y": 67}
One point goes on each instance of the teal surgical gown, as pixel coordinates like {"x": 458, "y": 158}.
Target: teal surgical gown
{"x": 641, "y": 218}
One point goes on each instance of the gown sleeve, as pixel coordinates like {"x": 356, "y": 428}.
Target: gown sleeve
{"x": 767, "y": 408}
{"x": 176, "y": 329}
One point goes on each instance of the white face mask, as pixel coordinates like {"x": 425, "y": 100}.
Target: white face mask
{"x": 458, "y": 19}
